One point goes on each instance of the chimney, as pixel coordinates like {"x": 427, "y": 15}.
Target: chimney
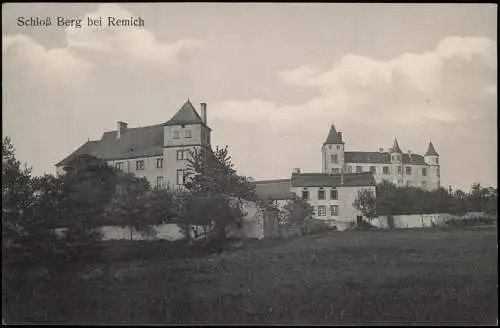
{"x": 121, "y": 127}
{"x": 342, "y": 177}
{"x": 409, "y": 155}
{"x": 204, "y": 112}
{"x": 296, "y": 171}
{"x": 381, "y": 150}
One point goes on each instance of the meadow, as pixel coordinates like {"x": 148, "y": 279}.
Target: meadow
{"x": 439, "y": 276}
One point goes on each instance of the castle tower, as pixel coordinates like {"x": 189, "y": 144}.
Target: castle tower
{"x": 183, "y": 133}
{"x": 431, "y": 158}
{"x": 397, "y": 163}
{"x": 333, "y": 152}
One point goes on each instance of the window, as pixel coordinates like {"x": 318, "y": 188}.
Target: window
{"x": 187, "y": 133}
{"x": 437, "y": 160}
{"x": 182, "y": 154}
{"x": 180, "y": 177}
{"x": 338, "y": 147}
{"x": 424, "y": 184}
{"x": 385, "y": 169}
{"x": 321, "y": 210}
{"x": 399, "y": 157}
{"x": 305, "y": 194}
{"x": 438, "y": 172}
{"x": 139, "y": 165}
{"x": 335, "y": 158}
{"x": 119, "y": 165}
{"x": 373, "y": 169}
{"x": 335, "y": 170}
{"x": 321, "y": 194}
{"x": 424, "y": 172}
{"x": 408, "y": 183}
{"x": 359, "y": 169}
{"x": 399, "y": 169}
{"x": 349, "y": 169}
{"x": 159, "y": 163}
{"x": 176, "y": 134}
{"x": 159, "y": 182}
{"x": 334, "y": 195}
{"x": 334, "y": 210}
{"x": 329, "y": 146}
{"x": 408, "y": 170}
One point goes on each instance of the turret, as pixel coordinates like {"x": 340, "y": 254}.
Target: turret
{"x": 396, "y": 153}
{"x": 333, "y": 152}
{"x": 397, "y": 163}
{"x": 431, "y": 156}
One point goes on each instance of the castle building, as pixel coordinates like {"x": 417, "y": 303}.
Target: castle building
{"x": 402, "y": 169}
{"x": 157, "y": 152}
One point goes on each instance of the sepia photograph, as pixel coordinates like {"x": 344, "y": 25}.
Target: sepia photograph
{"x": 249, "y": 163}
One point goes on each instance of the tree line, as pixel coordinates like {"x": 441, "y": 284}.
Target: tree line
{"x": 91, "y": 194}
{"x": 393, "y": 200}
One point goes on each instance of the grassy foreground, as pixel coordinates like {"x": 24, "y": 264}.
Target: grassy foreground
{"x": 402, "y": 276}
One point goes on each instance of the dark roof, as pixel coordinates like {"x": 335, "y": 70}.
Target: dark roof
{"x": 380, "y": 158}
{"x": 274, "y": 189}
{"x": 186, "y": 115}
{"x": 395, "y": 148}
{"x": 431, "y": 151}
{"x": 134, "y": 142}
{"x": 334, "y": 137}
{"x": 332, "y": 180}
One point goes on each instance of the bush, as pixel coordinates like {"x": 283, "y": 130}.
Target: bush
{"x": 477, "y": 221}
{"x": 313, "y": 226}
{"x": 364, "y": 225}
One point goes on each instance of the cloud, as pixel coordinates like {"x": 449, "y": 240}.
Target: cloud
{"x": 55, "y": 65}
{"x": 128, "y": 46}
{"x": 127, "y": 42}
{"x": 444, "y": 84}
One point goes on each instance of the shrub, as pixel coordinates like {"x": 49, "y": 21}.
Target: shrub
{"x": 313, "y": 226}
{"x": 364, "y": 225}
{"x": 477, "y": 221}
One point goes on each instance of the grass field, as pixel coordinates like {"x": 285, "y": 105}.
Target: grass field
{"x": 402, "y": 276}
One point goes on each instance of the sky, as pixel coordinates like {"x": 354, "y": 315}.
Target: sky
{"x": 274, "y": 76}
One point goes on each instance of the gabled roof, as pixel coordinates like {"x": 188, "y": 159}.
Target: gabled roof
{"x": 395, "y": 148}
{"x": 187, "y": 114}
{"x": 332, "y": 180}
{"x": 333, "y": 137}
{"x": 380, "y": 158}
{"x": 431, "y": 151}
{"x": 274, "y": 189}
{"x": 133, "y": 143}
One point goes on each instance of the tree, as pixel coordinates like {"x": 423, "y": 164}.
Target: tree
{"x": 366, "y": 202}
{"x": 214, "y": 185}
{"x": 130, "y": 205}
{"x": 491, "y": 206}
{"x": 212, "y": 172}
{"x": 477, "y": 198}
{"x": 17, "y": 198}
{"x": 215, "y": 213}
{"x": 386, "y": 200}
{"x": 297, "y": 210}
{"x": 459, "y": 203}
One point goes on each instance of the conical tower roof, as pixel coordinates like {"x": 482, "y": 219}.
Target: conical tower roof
{"x": 395, "y": 147}
{"x": 431, "y": 151}
{"x": 334, "y": 137}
